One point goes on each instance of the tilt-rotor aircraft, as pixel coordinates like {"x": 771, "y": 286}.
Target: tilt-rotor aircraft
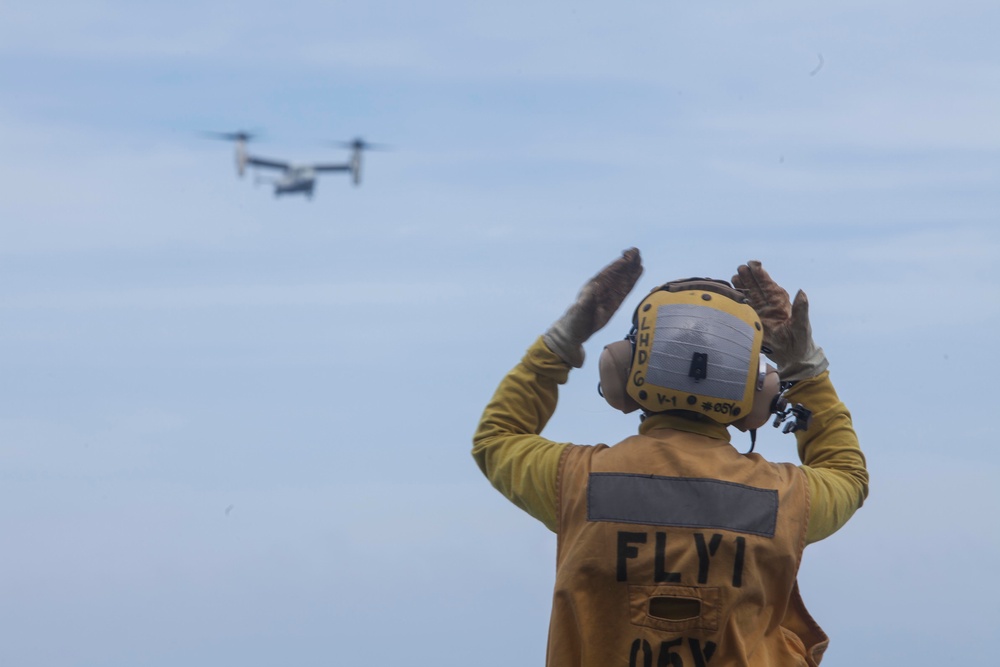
{"x": 294, "y": 178}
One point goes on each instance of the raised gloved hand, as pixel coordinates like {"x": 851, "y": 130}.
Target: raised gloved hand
{"x": 787, "y": 331}
{"x": 596, "y": 303}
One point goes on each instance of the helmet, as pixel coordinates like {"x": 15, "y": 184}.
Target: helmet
{"x": 695, "y": 345}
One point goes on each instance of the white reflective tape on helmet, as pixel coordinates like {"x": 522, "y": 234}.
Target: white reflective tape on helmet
{"x": 695, "y": 350}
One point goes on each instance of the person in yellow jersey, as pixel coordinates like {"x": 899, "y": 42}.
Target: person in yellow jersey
{"x": 674, "y": 548}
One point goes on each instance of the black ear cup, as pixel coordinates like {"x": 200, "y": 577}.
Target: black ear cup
{"x": 616, "y": 359}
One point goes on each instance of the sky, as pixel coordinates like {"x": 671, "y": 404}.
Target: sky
{"x": 235, "y": 429}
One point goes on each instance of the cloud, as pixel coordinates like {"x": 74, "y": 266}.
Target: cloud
{"x": 243, "y": 295}
{"x": 118, "y": 444}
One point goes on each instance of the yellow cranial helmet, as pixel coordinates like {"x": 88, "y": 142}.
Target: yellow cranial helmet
{"x": 696, "y": 346}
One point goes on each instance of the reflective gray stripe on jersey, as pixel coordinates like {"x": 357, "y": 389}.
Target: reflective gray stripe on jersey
{"x": 681, "y": 501}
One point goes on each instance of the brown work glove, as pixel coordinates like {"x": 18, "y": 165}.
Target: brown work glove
{"x": 786, "y": 324}
{"x": 596, "y": 303}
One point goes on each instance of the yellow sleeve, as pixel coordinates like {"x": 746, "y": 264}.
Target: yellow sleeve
{"x": 520, "y": 463}
{"x": 831, "y": 458}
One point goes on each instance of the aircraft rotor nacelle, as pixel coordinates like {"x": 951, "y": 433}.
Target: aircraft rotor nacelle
{"x": 356, "y": 166}
{"x": 241, "y": 157}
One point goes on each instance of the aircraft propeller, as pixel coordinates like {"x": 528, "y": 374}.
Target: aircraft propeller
{"x": 239, "y": 135}
{"x": 360, "y": 144}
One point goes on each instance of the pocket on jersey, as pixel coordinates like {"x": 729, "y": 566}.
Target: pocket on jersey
{"x": 675, "y": 608}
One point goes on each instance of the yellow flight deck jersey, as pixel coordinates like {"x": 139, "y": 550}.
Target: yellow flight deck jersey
{"x": 674, "y": 548}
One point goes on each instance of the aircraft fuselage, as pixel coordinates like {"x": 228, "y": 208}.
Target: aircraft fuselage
{"x": 295, "y": 180}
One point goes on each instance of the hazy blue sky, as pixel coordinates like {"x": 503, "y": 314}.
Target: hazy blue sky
{"x": 235, "y": 430}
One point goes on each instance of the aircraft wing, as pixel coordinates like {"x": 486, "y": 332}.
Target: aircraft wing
{"x": 264, "y": 162}
{"x": 332, "y": 167}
